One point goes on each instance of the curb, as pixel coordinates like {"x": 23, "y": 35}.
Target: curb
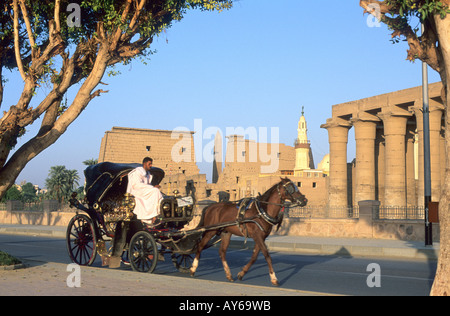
{"x": 13, "y": 267}
{"x": 343, "y": 250}
{"x": 33, "y": 232}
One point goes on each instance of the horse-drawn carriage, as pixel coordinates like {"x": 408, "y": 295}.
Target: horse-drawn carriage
{"x": 109, "y": 227}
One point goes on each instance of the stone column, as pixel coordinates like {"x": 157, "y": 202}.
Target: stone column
{"x": 417, "y": 109}
{"x": 367, "y": 211}
{"x": 395, "y": 165}
{"x": 436, "y": 113}
{"x": 365, "y": 134}
{"x": 380, "y": 169}
{"x": 411, "y": 196}
{"x": 338, "y": 138}
{"x": 435, "y": 152}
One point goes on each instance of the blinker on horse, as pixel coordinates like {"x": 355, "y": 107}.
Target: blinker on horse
{"x": 263, "y": 213}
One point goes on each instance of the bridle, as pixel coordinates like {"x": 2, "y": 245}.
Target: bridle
{"x": 290, "y": 188}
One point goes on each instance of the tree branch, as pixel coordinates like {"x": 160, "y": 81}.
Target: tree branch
{"x": 370, "y": 5}
{"x": 57, "y": 11}
{"x": 118, "y": 32}
{"x": 16, "y": 41}
{"x": 423, "y": 47}
{"x": 29, "y": 30}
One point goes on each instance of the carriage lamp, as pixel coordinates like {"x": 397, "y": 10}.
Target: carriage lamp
{"x": 166, "y": 207}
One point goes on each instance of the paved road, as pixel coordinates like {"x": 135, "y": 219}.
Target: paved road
{"x": 298, "y": 274}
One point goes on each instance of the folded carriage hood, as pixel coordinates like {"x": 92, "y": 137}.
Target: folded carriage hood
{"x": 99, "y": 177}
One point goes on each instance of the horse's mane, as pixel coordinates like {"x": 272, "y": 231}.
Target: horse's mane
{"x": 265, "y": 197}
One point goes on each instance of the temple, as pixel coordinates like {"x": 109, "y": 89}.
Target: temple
{"x": 389, "y": 162}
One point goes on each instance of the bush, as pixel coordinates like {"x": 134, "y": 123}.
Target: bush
{"x": 7, "y": 260}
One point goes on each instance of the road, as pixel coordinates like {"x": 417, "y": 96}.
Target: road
{"x": 322, "y": 274}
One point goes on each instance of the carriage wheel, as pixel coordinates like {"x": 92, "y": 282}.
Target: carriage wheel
{"x": 143, "y": 252}
{"x": 183, "y": 263}
{"x": 81, "y": 240}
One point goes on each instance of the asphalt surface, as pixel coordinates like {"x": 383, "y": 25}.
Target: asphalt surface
{"x": 306, "y": 245}
{"x": 50, "y": 278}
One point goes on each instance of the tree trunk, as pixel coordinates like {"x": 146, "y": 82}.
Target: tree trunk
{"x": 441, "y": 285}
{"x": 10, "y": 171}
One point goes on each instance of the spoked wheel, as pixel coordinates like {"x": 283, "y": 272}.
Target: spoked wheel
{"x": 143, "y": 252}
{"x": 81, "y": 240}
{"x": 183, "y": 263}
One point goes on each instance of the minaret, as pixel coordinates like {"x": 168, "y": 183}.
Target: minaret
{"x": 303, "y": 155}
{"x": 302, "y": 129}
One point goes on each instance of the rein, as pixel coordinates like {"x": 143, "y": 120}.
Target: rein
{"x": 263, "y": 213}
{"x": 265, "y": 216}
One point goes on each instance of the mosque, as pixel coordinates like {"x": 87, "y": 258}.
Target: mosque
{"x": 244, "y": 172}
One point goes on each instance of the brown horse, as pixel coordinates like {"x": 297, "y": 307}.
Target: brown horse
{"x": 263, "y": 213}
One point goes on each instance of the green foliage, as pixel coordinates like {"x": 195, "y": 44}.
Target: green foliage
{"x": 61, "y": 182}
{"x": 13, "y": 194}
{"x": 7, "y": 260}
{"x": 53, "y": 51}
{"x": 28, "y": 193}
{"x": 404, "y": 18}
{"x": 155, "y": 17}
{"x": 423, "y": 9}
{"x": 90, "y": 162}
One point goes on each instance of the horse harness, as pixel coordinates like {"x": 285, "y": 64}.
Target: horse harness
{"x": 245, "y": 204}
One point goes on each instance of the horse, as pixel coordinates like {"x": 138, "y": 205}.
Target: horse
{"x": 261, "y": 215}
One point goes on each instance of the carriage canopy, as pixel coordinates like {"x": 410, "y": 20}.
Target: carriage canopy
{"x": 101, "y": 177}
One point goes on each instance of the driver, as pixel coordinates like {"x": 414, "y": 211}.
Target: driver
{"x": 146, "y": 195}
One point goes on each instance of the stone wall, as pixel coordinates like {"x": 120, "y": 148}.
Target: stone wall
{"x": 171, "y": 151}
{"x": 363, "y": 227}
{"x": 36, "y": 218}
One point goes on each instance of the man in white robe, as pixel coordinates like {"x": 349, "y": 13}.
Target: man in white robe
{"x": 147, "y": 196}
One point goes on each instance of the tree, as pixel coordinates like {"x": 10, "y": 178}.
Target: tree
{"x": 63, "y": 44}
{"x": 56, "y": 182}
{"x": 90, "y": 162}
{"x": 72, "y": 179}
{"x": 29, "y": 193}
{"x": 432, "y": 47}
{"x": 61, "y": 182}
{"x": 13, "y": 194}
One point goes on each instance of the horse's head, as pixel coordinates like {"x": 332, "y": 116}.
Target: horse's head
{"x": 289, "y": 191}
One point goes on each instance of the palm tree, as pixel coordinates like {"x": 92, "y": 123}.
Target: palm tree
{"x": 56, "y": 181}
{"x": 72, "y": 179}
{"x": 90, "y": 162}
{"x": 61, "y": 182}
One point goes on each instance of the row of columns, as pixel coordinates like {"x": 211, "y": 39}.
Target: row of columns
{"x": 385, "y": 157}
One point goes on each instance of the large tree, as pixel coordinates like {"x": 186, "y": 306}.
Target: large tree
{"x": 432, "y": 47}
{"x": 63, "y": 43}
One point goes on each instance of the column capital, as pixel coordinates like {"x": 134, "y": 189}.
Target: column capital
{"x": 384, "y": 115}
{"x": 364, "y": 129}
{"x": 417, "y": 108}
{"x": 394, "y": 124}
{"x": 336, "y": 122}
{"x": 337, "y": 130}
{"x": 365, "y": 117}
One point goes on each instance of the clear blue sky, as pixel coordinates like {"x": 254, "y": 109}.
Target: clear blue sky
{"x": 255, "y": 65}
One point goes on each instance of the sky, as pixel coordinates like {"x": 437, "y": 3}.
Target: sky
{"x": 253, "y": 66}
